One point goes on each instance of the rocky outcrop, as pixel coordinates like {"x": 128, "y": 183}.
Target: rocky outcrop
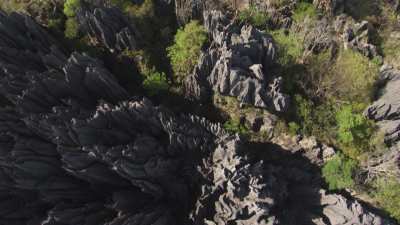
{"x": 236, "y": 191}
{"x": 358, "y": 37}
{"x": 237, "y": 64}
{"x": 109, "y": 27}
{"x": 351, "y": 35}
{"x": 341, "y": 211}
{"x": 75, "y": 148}
{"x": 330, "y": 6}
{"x": 385, "y": 110}
{"x": 317, "y": 153}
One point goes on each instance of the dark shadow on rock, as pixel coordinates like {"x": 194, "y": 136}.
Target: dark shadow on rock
{"x": 303, "y": 182}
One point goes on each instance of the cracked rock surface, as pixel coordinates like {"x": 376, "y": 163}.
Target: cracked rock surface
{"x": 237, "y": 64}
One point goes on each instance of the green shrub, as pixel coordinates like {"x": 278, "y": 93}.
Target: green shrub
{"x": 234, "y": 126}
{"x": 304, "y": 10}
{"x": 71, "y": 6}
{"x": 186, "y": 50}
{"x": 294, "y": 128}
{"x": 142, "y": 11}
{"x": 12, "y": 5}
{"x": 388, "y": 197}
{"x": 304, "y": 113}
{"x": 55, "y": 24}
{"x": 71, "y": 28}
{"x": 155, "y": 83}
{"x": 290, "y": 47}
{"x": 255, "y": 17}
{"x": 339, "y": 172}
{"x": 354, "y": 76}
{"x": 316, "y": 120}
{"x": 354, "y": 130}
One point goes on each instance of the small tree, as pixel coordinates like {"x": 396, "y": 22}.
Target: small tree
{"x": 354, "y": 130}
{"x": 339, "y": 172}
{"x": 71, "y": 28}
{"x": 71, "y": 6}
{"x": 155, "y": 83}
{"x": 388, "y": 196}
{"x": 186, "y": 49}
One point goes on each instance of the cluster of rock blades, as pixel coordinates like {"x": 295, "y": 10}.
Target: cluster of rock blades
{"x": 76, "y": 149}
{"x": 109, "y": 27}
{"x": 237, "y": 64}
{"x": 386, "y": 112}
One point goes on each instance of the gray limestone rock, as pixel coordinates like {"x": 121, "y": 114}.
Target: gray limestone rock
{"x": 109, "y": 27}
{"x": 341, "y": 211}
{"x": 237, "y": 64}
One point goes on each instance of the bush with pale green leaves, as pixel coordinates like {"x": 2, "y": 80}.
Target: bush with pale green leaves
{"x": 155, "y": 83}
{"x": 354, "y": 130}
{"x": 71, "y": 6}
{"x": 339, "y": 172}
{"x": 388, "y": 196}
{"x": 186, "y": 50}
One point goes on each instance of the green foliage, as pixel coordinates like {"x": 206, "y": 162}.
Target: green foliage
{"x": 363, "y": 9}
{"x": 290, "y": 47}
{"x": 121, "y": 3}
{"x": 255, "y": 17}
{"x": 354, "y": 130}
{"x": 354, "y": 76}
{"x": 55, "y": 24}
{"x": 12, "y": 5}
{"x": 71, "y": 28}
{"x": 141, "y": 12}
{"x": 234, "y": 126}
{"x": 186, "y": 50}
{"x": 316, "y": 120}
{"x": 155, "y": 83}
{"x": 294, "y": 128}
{"x": 71, "y": 6}
{"x": 304, "y": 10}
{"x": 339, "y": 172}
{"x": 156, "y": 29}
{"x": 304, "y": 112}
{"x": 388, "y": 197}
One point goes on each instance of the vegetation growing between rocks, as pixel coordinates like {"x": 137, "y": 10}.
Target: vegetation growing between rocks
{"x": 304, "y": 10}
{"x": 388, "y": 196}
{"x": 255, "y": 17}
{"x": 329, "y": 89}
{"x": 71, "y": 24}
{"x": 339, "y": 172}
{"x": 185, "y": 51}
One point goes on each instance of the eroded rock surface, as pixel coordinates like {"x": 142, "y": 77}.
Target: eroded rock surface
{"x": 76, "y": 149}
{"x": 237, "y": 64}
{"x": 386, "y": 109}
{"x": 386, "y": 112}
{"x": 109, "y": 27}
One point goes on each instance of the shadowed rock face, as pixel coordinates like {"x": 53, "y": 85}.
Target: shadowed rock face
{"x": 76, "y": 149}
{"x": 237, "y": 64}
{"x": 109, "y": 27}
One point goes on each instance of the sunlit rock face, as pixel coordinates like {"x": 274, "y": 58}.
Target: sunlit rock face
{"x": 238, "y": 64}
{"x": 77, "y": 149}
